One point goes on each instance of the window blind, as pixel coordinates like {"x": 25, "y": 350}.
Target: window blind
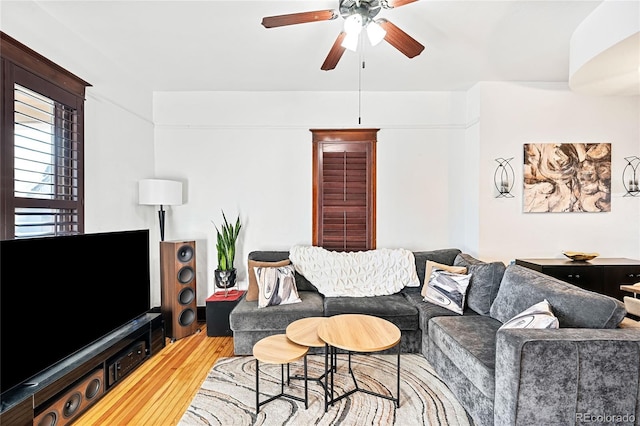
{"x": 45, "y": 165}
{"x": 344, "y": 201}
{"x": 344, "y": 189}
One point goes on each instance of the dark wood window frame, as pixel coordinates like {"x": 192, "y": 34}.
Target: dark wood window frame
{"x": 352, "y": 152}
{"x": 22, "y": 66}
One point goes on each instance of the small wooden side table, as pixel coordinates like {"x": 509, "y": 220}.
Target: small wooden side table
{"x": 357, "y": 333}
{"x": 305, "y": 332}
{"x": 277, "y": 349}
{"x": 218, "y": 309}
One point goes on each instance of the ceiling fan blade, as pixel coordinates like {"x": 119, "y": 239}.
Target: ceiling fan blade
{"x": 401, "y": 40}
{"x": 299, "y": 18}
{"x": 334, "y": 54}
{"x": 398, "y": 3}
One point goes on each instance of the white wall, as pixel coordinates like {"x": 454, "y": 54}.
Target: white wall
{"x": 467, "y": 179}
{"x": 511, "y": 115}
{"x": 118, "y": 153}
{"x": 251, "y": 153}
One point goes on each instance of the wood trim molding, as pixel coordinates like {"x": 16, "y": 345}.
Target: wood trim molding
{"x": 345, "y": 135}
{"x": 24, "y": 57}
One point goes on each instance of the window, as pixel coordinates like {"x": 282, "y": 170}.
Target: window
{"x": 41, "y": 170}
{"x": 344, "y": 189}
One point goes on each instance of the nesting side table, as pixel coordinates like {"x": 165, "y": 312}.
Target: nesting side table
{"x": 305, "y": 332}
{"x": 357, "y": 333}
{"x": 278, "y": 349}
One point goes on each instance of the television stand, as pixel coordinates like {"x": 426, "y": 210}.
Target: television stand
{"x": 80, "y": 380}
{"x": 126, "y": 361}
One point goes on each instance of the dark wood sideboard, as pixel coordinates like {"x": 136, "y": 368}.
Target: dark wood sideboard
{"x": 602, "y": 275}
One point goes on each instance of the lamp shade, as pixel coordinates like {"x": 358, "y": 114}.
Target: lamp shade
{"x": 375, "y": 32}
{"x": 351, "y": 41}
{"x": 353, "y": 27}
{"x": 160, "y": 192}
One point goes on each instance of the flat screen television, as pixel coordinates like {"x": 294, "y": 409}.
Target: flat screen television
{"x": 60, "y": 294}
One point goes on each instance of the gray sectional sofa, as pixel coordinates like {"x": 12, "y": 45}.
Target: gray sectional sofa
{"x": 586, "y": 372}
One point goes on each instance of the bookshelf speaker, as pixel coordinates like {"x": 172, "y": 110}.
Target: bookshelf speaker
{"x": 178, "y": 277}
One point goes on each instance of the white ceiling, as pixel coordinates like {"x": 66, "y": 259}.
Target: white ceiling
{"x": 221, "y": 45}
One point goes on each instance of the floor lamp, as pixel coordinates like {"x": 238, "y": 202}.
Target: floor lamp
{"x": 160, "y": 192}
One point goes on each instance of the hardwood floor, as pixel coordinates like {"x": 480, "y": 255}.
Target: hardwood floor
{"x": 160, "y": 390}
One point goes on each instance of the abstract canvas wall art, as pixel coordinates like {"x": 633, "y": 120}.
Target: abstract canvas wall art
{"x": 567, "y": 177}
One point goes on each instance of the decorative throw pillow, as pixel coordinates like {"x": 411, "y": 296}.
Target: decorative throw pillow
{"x": 277, "y": 285}
{"x": 430, "y": 267}
{"x": 447, "y": 289}
{"x": 252, "y": 290}
{"x": 539, "y": 315}
{"x": 485, "y": 281}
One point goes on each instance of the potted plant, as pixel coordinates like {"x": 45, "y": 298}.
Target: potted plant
{"x": 225, "y": 274}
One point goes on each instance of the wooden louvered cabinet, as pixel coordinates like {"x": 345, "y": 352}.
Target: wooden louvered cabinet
{"x": 344, "y": 188}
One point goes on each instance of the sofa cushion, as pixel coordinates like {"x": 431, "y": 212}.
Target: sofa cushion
{"x": 277, "y": 285}
{"x": 469, "y": 342}
{"x": 485, "y": 281}
{"x": 268, "y": 255}
{"x": 575, "y": 307}
{"x": 394, "y": 308}
{"x": 428, "y": 310}
{"x": 252, "y": 290}
{"x": 539, "y": 315}
{"x": 476, "y": 404}
{"x": 247, "y": 316}
{"x": 431, "y": 265}
{"x": 274, "y": 256}
{"x": 448, "y": 290}
{"x": 444, "y": 256}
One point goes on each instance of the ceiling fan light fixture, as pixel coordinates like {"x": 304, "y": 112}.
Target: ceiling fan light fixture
{"x": 357, "y": 14}
{"x": 375, "y": 33}
{"x": 353, "y": 24}
{"x": 352, "y": 28}
{"x": 351, "y": 41}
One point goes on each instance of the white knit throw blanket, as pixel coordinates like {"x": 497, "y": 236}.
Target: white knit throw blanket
{"x": 356, "y": 274}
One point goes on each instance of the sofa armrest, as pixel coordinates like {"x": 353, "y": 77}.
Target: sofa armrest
{"x": 567, "y": 376}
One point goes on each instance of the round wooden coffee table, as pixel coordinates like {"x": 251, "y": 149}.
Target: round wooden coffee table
{"x": 358, "y": 333}
{"x": 305, "y": 332}
{"x": 277, "y": 349}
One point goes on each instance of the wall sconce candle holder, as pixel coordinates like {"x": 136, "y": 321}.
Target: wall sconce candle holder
{"x": 630, "y": 176}
{"x": 504, "y": 178}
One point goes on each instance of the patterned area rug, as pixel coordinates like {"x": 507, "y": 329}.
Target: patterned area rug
{"x": 227, "y": 396}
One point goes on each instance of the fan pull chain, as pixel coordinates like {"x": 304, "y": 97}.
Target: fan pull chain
{"x": 359, "y": 95}
{"x": 360, "y": 68}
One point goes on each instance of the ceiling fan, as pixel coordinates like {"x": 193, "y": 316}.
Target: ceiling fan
{"x": 357, "y": 15}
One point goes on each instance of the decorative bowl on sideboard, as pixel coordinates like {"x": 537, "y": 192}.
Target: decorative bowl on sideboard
{"x": 579, "y": 256}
